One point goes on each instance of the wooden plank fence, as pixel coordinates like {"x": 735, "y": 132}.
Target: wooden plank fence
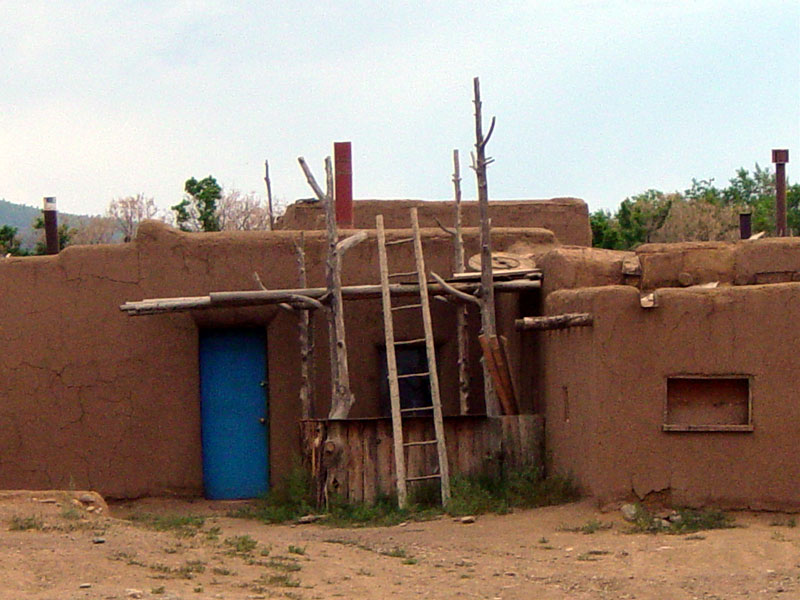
{"x": 354, "y": 458}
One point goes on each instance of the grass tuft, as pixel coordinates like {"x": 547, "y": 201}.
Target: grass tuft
{"x": 524, "y": 488}
{"x": 241, "y": 544}
{"x": 26, "y": 523}
{"x": 180, "y": 525}
{"x": 470, "y": 495}
{"x": 687, "y": 521}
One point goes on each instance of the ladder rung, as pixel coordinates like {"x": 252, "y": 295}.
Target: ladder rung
{"x": 409, "y": 375}
{"x": 406, "y": 306}
{"x": 423, "y": 477}
{"x": 422, "y": 443}
{"x": 405, "y": 410}
{"x": 403, "y": 274}
{"x": 406, "y": 342}
{"x": 400, "y": 241}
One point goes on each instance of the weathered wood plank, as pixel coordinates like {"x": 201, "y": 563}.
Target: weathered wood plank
{"x": 369, "y": 474}
{"x": 549, "y": 323}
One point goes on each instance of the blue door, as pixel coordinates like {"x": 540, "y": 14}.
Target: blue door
{"x": 233, "y": 392}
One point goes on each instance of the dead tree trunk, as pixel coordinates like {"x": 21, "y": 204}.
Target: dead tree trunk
{"x": 269, "y": 196}
{"x": 488, "y": 322}
{"x": 461, "y": 311}
{"x": 306, "y": 339}
{"x": 341, "y": 396}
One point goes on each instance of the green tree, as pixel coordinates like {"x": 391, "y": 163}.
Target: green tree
{"x": 9, "y": 242}
{"x": 642, "y": 215}
{"x": 198, "y": 210}
{"x": 605, "y": 230}
{"x": 702, "y": 212}
{"x": 65, "y": 234}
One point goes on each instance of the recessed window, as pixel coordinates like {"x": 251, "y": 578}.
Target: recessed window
{"x": 415, "y": 392}
{"x": 705, "y": 403}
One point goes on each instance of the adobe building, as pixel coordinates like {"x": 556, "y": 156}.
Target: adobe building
{"x": 675, "y": 387}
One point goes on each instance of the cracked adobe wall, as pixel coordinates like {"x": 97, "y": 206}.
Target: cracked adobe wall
{"x": 606, "y": 387}
{"x": 96, "y": 399}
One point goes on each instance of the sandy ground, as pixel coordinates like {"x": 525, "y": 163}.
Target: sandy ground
{"x": 68, "y": 552}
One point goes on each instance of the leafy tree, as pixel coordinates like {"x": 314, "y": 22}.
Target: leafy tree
{"x": 9, "y": 242}
{"x": 641, "y": 215}
{"x": 703, "y": 190}
{"x": 701, "y": 212}
{"x": 198, "y": 210}
{"x": 605, "y": 230}
{"x": 65, "y": 234}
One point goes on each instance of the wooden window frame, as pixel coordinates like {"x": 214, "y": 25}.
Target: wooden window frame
{"x": 709, "y": 428}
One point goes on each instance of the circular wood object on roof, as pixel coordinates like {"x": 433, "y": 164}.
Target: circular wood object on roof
{"x": 502, "y": 261}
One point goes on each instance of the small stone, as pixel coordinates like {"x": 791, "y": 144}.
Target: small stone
{"x": 47, "y": 500}
{"x": 510, "y": 574}
{"x": 99, "y": 540}
{"x": 91, "y": 509}
{"x": 675, "y": 518}
{"x": 468, "y": 519}
{"x": 403, "y": 524}
{"x": 685, "y": 279}
{"x": 308, "y": 519}
{"x": 133, "y": 593}
{"x": 85, "y": 586}
{"x": 87, "y": 498}
{"x": 629, "y": 512}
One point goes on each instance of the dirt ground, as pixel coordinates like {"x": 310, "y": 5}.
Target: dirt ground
{"x": 54, "y": 548}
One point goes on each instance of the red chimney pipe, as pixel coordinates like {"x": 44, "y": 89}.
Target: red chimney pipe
{"x": 343, "y": 184}
{"x": 780, "y": 158}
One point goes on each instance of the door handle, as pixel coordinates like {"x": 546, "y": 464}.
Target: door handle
{"x": 263, "y": 421}
{"x": 263, "y": 383}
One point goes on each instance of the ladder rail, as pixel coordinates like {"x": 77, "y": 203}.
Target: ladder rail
{"x": 391, "y": 368}
{"x": 438, "y": 422}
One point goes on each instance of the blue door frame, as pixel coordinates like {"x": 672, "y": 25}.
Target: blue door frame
{"x": 234, "y": 409}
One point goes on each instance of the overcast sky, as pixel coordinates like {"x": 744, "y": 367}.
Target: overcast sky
{"x": 594, "y": 99}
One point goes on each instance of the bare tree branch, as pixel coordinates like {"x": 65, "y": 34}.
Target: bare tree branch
{"x": 310, "y": 177}
{"x": 344, "y": 245}
{"x": 454, "y": 292}
{"x": 447, "y": 230}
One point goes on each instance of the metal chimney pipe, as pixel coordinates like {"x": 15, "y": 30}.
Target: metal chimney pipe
{"x": 51, "y": 224}
{"x": 745, "y": 228}
{"x": 780, "y": 158}
{"x": 343, "y": 186}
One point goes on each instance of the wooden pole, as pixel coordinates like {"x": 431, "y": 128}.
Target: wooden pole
{"x": 306, "y": 339}
{"x": 430, "y": 351}
{"x": 391, "y": 368}
{"x": 341, "y": 396}
{"x": 554, "y": 322}
{"x": 488, "y": 322}
{"x": 152, "y": 306}
{"x": 461, "y": 311}
{"x": 269, "y": 196}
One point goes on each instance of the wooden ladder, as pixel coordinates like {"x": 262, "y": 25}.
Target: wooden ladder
{"x": 435, "y": 408}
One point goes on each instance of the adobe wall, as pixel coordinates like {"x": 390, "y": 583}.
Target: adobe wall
{"x": 745, "y": 262}
{"x": 97, "y": 399}
{"x": 567, "y": 218}
{"x": 605, "y": 389}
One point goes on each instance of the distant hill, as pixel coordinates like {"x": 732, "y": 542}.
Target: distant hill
{"x": 17, "y": 215}
{"x": 22, "y": 217}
